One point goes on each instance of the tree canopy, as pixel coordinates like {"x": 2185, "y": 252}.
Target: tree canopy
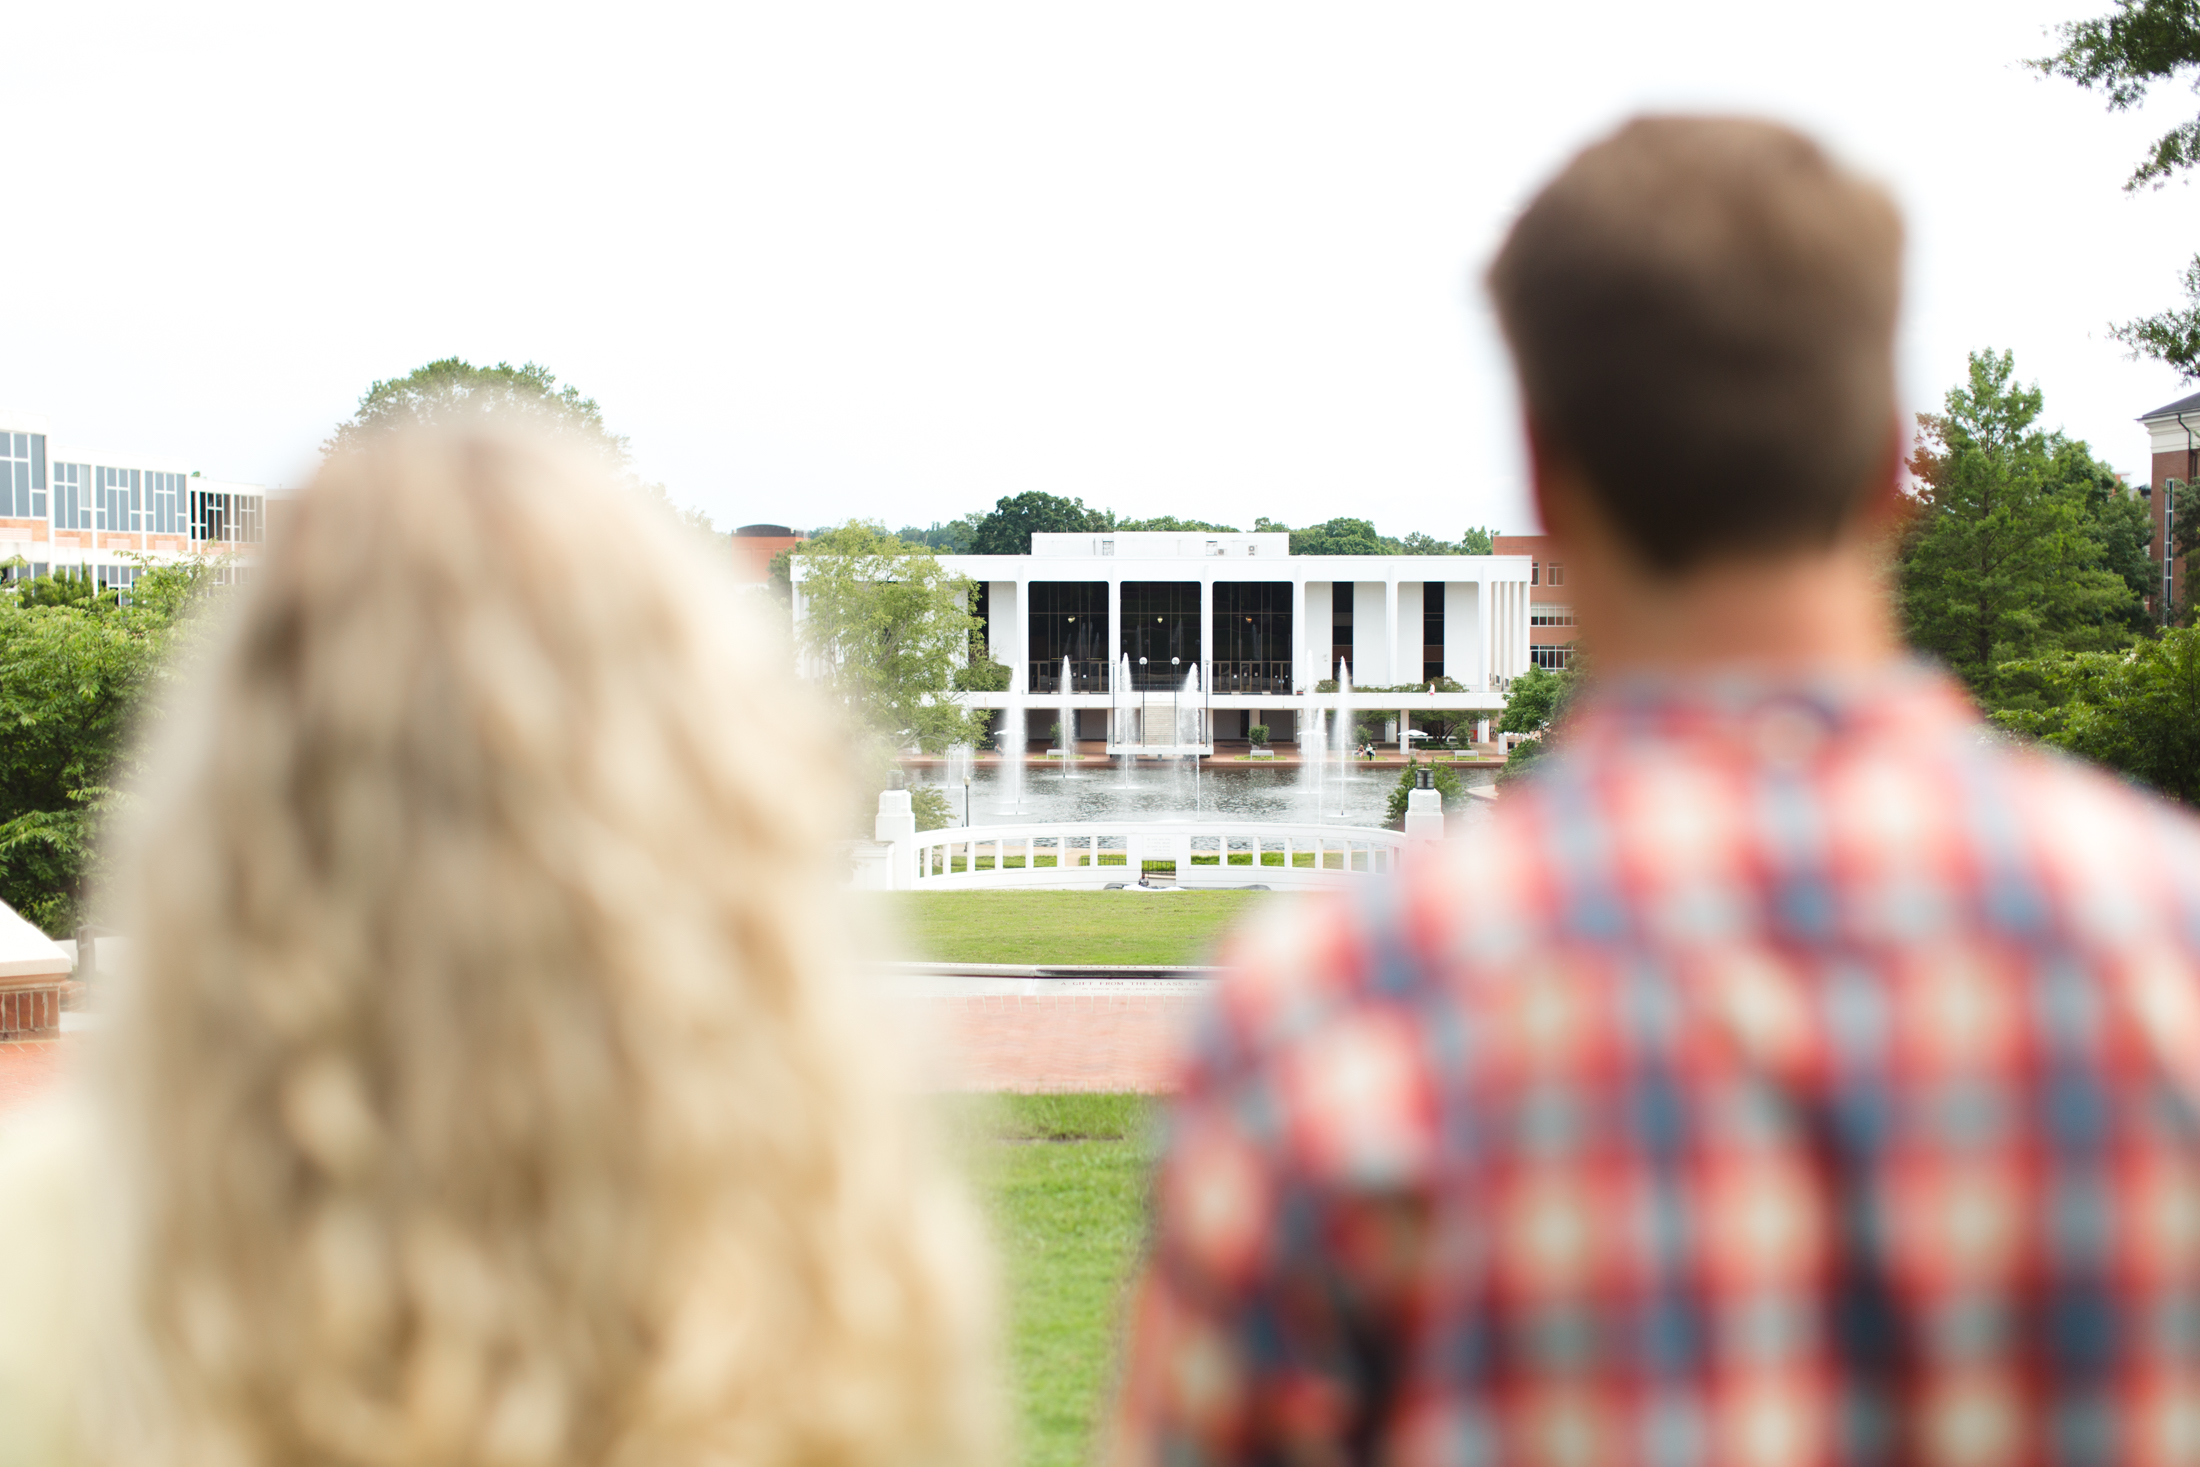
{"x": 1016, "y": 518}
{"x": 2137, "y": 711}
{"x": 1535, "y": 705}
{"x": 2122, "y": 55}
{"x": 452, "y": 389}
{"x": 883, "y": 627}
{"x": 75, "y": 671}
{"x": 2005, "y": 558}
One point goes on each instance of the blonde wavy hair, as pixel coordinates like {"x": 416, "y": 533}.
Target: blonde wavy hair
{"x": 485, "y": 1088}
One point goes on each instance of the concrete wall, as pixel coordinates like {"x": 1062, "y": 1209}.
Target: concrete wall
{"x": 1463, "y": 633}
{"x": 1407, "y": 633}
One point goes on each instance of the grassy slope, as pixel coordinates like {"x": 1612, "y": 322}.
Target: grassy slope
{"x": 1064, "y": 926}
{"x": 1064, "y": 1181}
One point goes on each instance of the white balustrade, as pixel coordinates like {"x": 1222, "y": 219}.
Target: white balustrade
{"x": 1205, "y": 853}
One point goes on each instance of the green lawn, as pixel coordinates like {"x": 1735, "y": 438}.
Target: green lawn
{"x": 1063, "y": 926}
{"x": 1063, "y": 1178}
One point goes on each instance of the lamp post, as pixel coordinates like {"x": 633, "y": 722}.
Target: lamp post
{"x": 966, "y": 796}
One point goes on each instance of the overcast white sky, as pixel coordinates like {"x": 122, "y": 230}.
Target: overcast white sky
{"x": 824, "y": 260}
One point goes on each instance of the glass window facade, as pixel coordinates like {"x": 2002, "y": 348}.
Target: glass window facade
{"x": 1067, "y": 619}
{"x": 1252, "y": 637}
{"x": 118, "y": 499}
{"x": 22, "y": 476}
{"x": 1340, "y": 627}
{"x": 1432, "y": 630}
{"x": 237, "y": 518}
{"x": 164, "y": 507}
{"x": 1551, "y": 659}
{"x": 1160, "y": 622}
{"x": 1252, "y": 621}
{"x": 72, "y": 496}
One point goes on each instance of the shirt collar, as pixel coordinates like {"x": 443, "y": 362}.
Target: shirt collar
{"x": 1903, "y": 698}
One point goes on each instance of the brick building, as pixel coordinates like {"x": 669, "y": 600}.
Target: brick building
{"x": 753, "y": 549}
{"x": 1551, "y": 622}
{"x": 2174, "y": 433}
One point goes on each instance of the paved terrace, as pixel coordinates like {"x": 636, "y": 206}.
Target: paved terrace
{"x": 1017, "y": 1029}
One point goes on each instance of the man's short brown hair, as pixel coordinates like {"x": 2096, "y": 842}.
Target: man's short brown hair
{"x": 1702, "y": 311}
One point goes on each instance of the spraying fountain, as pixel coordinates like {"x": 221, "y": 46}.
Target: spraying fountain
{"x": 961, "y": 759}
{"x": 1126, "y": 717}
{"x": 1069, "y": 722}
{"x": 1187, "y": 710}
{"x": 1314, "y": 757}
{"x": 1341, "y": 732}
{"x": 1012, "y": 757}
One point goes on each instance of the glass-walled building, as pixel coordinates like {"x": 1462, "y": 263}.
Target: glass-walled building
{"x": 70, "y": 509}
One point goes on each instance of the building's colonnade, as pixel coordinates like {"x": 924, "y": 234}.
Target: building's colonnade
{"x": 1264, "y": 627}
{"x": 1376, "y": 612}
{"x": 69, "y": 509}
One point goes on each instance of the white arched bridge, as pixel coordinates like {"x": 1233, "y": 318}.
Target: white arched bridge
{"x": 1093, "y": 855}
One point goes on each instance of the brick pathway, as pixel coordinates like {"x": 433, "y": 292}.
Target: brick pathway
{"x": 27, "y": 1068}
{"x": 1054, "y": 1044}
{"x": 1072, "y": 1042}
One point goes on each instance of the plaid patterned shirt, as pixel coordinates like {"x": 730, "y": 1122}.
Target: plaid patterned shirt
{"x": 1787, "y": 1075}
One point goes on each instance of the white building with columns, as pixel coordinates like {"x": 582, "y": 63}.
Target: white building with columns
{"x": 1262, "y": 627}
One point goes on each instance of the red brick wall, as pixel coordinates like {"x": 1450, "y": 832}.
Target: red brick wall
{"x": 1543, "y": 550}
{"x": 30, "y": 1013}
{"x": 752, "y": 555}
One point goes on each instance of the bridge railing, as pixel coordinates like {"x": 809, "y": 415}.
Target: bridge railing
{"x": 1203, "y": 853}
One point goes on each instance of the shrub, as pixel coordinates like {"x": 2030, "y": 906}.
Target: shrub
{"x": 1447, "y": 784}
{"x": 1258, "y": 733}
{"x": 982, "y": 677}
{"x": 934, "y": 811}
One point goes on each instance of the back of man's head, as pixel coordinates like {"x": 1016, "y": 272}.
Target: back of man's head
{"x": 1702, "y": 311}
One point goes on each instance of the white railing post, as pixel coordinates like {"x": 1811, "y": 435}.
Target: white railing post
{"x": 897, "y": 826}
{"x": 1424, "y": 815}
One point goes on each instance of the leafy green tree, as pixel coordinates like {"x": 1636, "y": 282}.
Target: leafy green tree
{"x": 933, "y": 809}
{"x": 955, "y": 537}
{"x": 2001, "y": 561}
{"x": 1171, "y": 522}
{"x": 1478, "y": 542}
{"x": 76, "y": 669}
{"x": 1443, "y": 776}
{"x": 1341, "y": 536}
{"x": 2122, "y": 55}
{"x": 1535, "y": 705}
{"x": 882, "y": 626}
{"x": 2136, "y": 711}
{"x": 452, "y": 389}
{"x": 1015, "y": 519}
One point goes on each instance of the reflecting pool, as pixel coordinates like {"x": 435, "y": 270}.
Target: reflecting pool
{"x": 1174, "y": 790}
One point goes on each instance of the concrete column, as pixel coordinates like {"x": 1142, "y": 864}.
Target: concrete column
{"x": 1301, "y": 620}
{"x": 1019, "y": 679}
{"x": 1390, "y": 626}
{"x": 1207, "y": 635}
{"x": 1461, "y": 608}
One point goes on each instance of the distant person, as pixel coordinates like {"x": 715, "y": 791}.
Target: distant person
{"x": 1792, "y": 1072}
{"x": 485, "y": 1091}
